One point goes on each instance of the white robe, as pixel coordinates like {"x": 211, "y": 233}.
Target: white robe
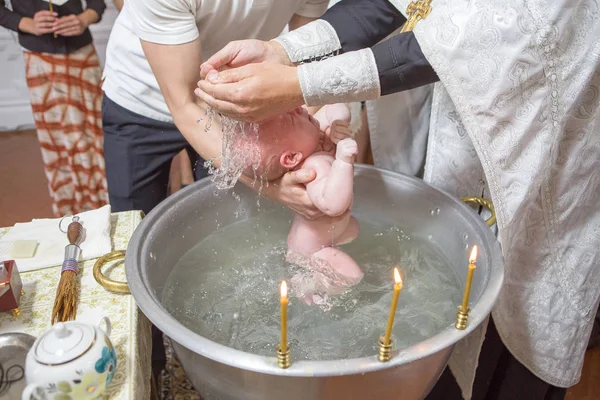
{"x": 515, "y": 118}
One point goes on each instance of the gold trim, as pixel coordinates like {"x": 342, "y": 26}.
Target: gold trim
{"x": 68, "y": 361}
{"x": 484, "y": 203}
{"x": 107, "y": 283}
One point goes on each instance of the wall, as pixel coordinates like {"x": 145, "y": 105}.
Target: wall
{"x": 15, "y": 111}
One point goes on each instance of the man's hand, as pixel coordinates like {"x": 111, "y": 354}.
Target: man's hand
{"x": 41, "y": 23}
{"x": 330, "y": 115}
{"x": 339, "y": 131}
{"x": 290, "y": 191}
{"x": 71, "y": 25}
{"x": 243, "y": 52}
{"x": 252, "y": 93}
{"x": 346, "y": 151}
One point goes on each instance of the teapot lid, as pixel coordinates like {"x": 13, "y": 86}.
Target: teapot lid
{"x": 64, "y": 342}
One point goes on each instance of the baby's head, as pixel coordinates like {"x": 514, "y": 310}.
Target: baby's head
{"x": 286, "y": 141}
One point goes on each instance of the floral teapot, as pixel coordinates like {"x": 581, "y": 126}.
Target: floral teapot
{"x": 71, "y": 361}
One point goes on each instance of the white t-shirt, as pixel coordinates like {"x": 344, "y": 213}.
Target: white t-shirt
{"x": 128, "y": 78}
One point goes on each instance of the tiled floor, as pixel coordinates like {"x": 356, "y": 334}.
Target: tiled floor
{"x": 23, "y": 196}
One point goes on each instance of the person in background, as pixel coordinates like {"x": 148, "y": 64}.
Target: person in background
{"x": 63, "y": 76}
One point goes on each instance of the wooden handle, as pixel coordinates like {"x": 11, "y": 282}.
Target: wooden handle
{"x": 75, "y": 232}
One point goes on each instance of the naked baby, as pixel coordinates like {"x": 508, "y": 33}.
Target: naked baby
{"x": 294, "y": 141}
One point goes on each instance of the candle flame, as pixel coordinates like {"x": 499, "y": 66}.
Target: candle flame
{"x": 473, "y": 256}
{"x": 397, "y": 276}
{"x": 284, "y": 289}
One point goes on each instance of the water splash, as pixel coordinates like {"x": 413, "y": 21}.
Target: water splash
{"x": 231, "y": 296}
{"x": 240, "y": 150}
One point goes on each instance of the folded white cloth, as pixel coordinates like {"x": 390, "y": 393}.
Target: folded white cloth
{"x": 51, "y": 248}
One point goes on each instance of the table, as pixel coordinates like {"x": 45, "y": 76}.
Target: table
{"x": 131, "y": 330}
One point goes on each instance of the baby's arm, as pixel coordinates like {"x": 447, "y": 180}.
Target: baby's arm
{"x": 332, "y": 190}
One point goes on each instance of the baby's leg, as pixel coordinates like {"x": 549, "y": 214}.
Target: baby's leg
{"x": 350, "y": 233}
{"x": 346, "y": 271}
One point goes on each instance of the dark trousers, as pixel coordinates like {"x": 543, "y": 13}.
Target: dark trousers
{"x": 138, "y": 151}
{"x": 499, "y": 377}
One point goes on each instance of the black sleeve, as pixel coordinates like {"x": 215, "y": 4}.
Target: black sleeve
{"x": 361, "y": 24}
{"x": 9, "y": 19}
{"x": 97, "y": 5}
{"x": 401, "y": 64}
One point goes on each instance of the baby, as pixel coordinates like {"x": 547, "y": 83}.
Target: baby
{"x": 294, "y": 141}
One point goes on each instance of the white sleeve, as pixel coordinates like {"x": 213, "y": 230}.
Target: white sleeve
{"x": 313, "y": 8}
{"x": 164, "y": 21}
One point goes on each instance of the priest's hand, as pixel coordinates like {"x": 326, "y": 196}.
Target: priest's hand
{"x": 243, "y": 52}
{"x": 290, "y": 191}
{"x": 253, "y": 92}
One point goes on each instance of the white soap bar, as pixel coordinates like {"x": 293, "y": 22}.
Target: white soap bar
{"x": 23, "y": 249}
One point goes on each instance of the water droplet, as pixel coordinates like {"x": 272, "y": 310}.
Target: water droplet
{"x": 465, "y": 236}
{"x": 430, "y": 237}
{"x": 432, "y": 212}
{"x": 437, "y": 211}
{"x": 467, "y": 246}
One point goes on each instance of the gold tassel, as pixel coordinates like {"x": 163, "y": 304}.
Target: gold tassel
{"x": 65, "y": 302}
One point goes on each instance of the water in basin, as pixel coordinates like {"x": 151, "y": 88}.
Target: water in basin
{"x": 226, "y": 289}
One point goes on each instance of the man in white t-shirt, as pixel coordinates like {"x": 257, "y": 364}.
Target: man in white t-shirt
{"x": 161, "y": 43}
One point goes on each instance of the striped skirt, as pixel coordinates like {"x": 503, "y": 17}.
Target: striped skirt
{"x": 66, "y": 100}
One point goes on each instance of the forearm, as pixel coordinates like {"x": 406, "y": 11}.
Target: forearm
{"x": 176, "y": 68}
{"x": 13, "y": 21}
{"x": 333, "y": 194}
{"x": 89, "y": 17}
{"x": 401, "y": 65}
{"x": 349, "y": 25}
{"x": 395, "y": 65}
{"x": 360, "y": 24}
{"x": 192, "y": 121}
{"x": 93, "y": 12}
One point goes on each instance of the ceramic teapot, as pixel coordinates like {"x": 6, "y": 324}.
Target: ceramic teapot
{"x": 71, "y": 361}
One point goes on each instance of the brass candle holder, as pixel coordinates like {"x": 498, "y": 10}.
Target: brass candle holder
{"x": 283, "y": 350}
{"x": 462, "y": 316}
{"x": 385, "y": 350}
{"x": 283, "y": 358}
{"x": 385, "y": 342}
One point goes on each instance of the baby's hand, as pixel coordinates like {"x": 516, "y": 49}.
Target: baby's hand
{"x": 346, "y": 150}
{"x": 339, "y": 131}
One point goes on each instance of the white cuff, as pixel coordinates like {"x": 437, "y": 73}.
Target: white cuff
{"x": 309, "y": 42}
{"x": 346, "y": 78}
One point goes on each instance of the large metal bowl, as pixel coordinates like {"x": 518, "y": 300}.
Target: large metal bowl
{"x": 222, "y": 373}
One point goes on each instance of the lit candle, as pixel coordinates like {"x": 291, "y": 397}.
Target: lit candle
{"x": 390, "y": 324}
{"x": 284, "y": 302}
{"x": 472, "y": 260}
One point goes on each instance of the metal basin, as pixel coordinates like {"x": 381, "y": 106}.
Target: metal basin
{"x": 219, "y": 372}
